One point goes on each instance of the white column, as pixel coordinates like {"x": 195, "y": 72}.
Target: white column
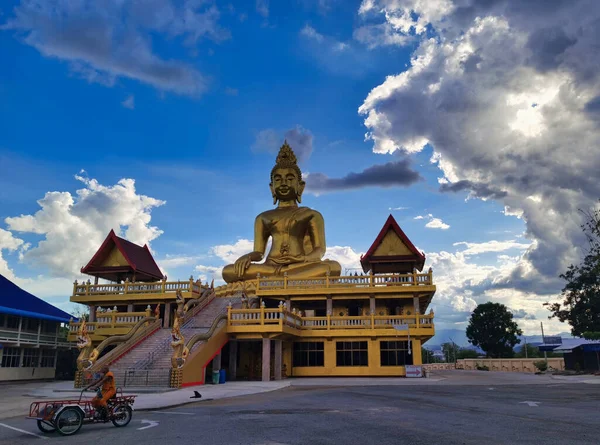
{"x": 39, "y": 331}
{"x": 329, "y": 306}
{"x": 19, "y": 334}
{"x": 416, "y": 304}
{"x": 278, "y": 359}
{"x": 266, "y": 359}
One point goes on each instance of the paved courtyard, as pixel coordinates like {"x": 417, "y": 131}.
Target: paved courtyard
{"x": 454, "y": 408}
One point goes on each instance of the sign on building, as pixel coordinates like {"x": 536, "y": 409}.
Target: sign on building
{"x": 414, "y": 371}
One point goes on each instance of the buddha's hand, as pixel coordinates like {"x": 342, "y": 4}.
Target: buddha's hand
{"x": 241, "y": 264}
{"x": 289, "y": 259}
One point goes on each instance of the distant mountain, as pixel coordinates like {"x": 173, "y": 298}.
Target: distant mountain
{"x": 460, "y": 338}
{"x": 447, "y": 336}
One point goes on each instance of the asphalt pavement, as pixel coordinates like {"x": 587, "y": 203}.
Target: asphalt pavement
{"x": 556, "y": 412}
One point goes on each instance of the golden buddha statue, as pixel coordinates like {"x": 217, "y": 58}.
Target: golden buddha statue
{"x": 297, "y": 233}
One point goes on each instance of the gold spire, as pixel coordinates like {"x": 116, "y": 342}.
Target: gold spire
{"x": 287, "y": 159}
{"x": 286, "y": 156}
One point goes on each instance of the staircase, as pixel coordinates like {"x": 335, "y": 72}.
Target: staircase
{"x": 149, "y": 363}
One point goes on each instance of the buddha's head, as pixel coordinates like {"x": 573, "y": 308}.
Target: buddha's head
{"x": 286, "y": 177}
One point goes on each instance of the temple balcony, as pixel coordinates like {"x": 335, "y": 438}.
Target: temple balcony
{"x": 380, "y": 286}
{"x": 251, "y": 323}
{"x": 109, "y": 322}
{"x": 146, "y": 292}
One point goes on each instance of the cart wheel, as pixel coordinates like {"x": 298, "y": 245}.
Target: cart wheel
{"x": 69, "y": 421}
{"x": 122, "y": 415}
{"x": 45, "y": 426}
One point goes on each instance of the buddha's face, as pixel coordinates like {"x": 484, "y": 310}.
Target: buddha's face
{"x": 285, "y": 185}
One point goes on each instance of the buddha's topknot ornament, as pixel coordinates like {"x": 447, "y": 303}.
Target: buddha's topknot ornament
{"x": 287, "y": 159}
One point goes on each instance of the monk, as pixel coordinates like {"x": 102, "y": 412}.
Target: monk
{"x": 297, "y": 233}
{"x": 109, "y": 389}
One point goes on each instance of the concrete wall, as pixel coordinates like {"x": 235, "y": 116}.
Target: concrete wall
{"x": 509, "y": 364}
{"x": 7, "y": 374}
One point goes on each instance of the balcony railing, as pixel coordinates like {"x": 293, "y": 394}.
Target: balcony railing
{"x": 112, "y": 320}
{"x": 412, "y": 279}
{"x": 283, "y": 317}
{"x": 32, "y": 338}
{"x": 133, "y": 288}
{"x": 370, "y": 283}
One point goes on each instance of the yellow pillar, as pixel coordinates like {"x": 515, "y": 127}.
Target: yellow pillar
{"x": 416, "y": 352}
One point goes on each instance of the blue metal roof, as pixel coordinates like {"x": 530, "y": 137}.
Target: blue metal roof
{"x": 16, "y": 301}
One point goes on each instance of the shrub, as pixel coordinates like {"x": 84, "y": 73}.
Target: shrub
{"x": 541, "y": 365}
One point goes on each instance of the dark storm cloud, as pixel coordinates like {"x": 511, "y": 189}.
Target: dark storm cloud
{"x": 509, "y": 100}
{"x": 479, "y": 190}
{"x": 103, "y": 41}
{"x": 392, "y": 174}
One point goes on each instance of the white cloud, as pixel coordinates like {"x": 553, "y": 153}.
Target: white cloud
{"x": 346, "y": 256}
{"x": 10, "y": 243}
{"x": 262, "y": 7}
{"x": 311, "y": 33}
{"x": 229, "y": 253}
{"x": 490, "y": 246}
{"x": 129, "y": 102}
{"x": 209, "y": 273}
{"x": 398, "y": 208}
{"x": 462, "y": 285}
{"x": 73, "y": 227}
{"x": 174, "y": 261}
{"x": 433, "y": 223}
{"x": 437, "y": 223}
{"x": 105, "y": 41}
{"x": 382, "y": 34}
{"x": 508, "y": 97}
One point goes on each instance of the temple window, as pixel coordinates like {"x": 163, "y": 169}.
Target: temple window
{"x": 47, "y": 358}
{"x": 352, "y": 353}
{"x": 11, "y": 357}
{"x": 395, "y": 353}
{"x": 31, "y": 358}
{"x": 309, "y": 354}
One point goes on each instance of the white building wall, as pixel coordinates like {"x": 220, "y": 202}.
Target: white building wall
{"x": 7, "y": 374}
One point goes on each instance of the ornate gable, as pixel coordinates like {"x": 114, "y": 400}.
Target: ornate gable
{"x": 118, "y": 259}
{"x": 392, "y": 252}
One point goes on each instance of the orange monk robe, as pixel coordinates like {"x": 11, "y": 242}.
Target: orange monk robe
{"x": 108, "y": 390}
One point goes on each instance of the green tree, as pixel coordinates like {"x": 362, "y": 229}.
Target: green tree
{"x": 427, "y": 356}
{"x": 492, "y": 328}
{"x": 466, "y": 353}
{"x": 581, "y": 305}
{"x": 450, "y": 351}
{"x": 532, "y": 352}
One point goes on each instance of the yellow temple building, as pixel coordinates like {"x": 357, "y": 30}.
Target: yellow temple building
{"x": 288, "y": 312}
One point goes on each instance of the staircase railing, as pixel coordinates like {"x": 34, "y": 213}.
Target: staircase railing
{"x": 127, "y": 344}
{"x": 164, "y": 348}
{"x": 222, "y": 315}
{"x": 199, "y": 304}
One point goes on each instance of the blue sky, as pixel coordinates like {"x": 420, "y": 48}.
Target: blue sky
{"x": 190, "y": 99}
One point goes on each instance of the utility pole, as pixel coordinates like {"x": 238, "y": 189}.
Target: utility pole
{"x": 544, "y": 340}
{"x": 525, "y": 337}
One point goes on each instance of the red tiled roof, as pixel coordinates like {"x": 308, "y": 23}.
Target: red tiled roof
{"x": 393, "y": 225}
{"x": 139, "y": 258}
